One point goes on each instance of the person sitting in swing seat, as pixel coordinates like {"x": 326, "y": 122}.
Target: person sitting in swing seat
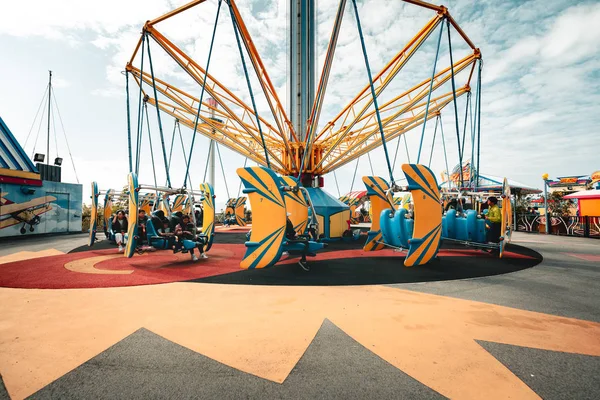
{"x": 494, "y": 217}
{"x": 119, "y": 227}
{"x": 142, "y": 243}
{"x": 183, "y": 231}
{"x": 163, "y": 228}
{"x": 292, "y": 237}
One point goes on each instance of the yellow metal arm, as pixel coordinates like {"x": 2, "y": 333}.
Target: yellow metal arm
{"x": 281, "y": 119}
{"x": 339, "y": 141}
{"x": 359, "y": 105}
{"x": 231, "y": 131}
{"x": 369, "y": 139}
{"x": 352, "y": 133}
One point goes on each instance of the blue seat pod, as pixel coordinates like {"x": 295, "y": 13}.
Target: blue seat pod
{"x": 297, "y": 248}
{"x": 462, "y": 231}
{"x": 476, "y": 227}
{"x": 153, "y": 239}
{"x": 396, "y": 229}
{"x": 450, "y": 224}
{"x": 481, "y": 235}
{"x": 444, "y": 227}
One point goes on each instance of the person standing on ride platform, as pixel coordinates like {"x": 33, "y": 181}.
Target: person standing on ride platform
{"x": 494, "y": 217}
{"x": 119, "y": 227}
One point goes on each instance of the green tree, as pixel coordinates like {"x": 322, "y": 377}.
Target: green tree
{"x": 558, "y": 205}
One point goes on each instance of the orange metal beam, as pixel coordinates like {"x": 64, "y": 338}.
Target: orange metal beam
{"x": 344, "y": 135}
{"x": 370, "y": 140}
{"x": 184, "y": 106}
{"x": 381, "y": 80}
{"x": 174, "y": 12}
{"x": 281, "y": 118}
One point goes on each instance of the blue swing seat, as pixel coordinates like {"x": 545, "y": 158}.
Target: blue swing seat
{"x": 396, "y": 228}
{"x": 467, "y": 228}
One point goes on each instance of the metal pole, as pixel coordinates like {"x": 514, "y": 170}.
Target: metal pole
{"x": 546, "y": 206}
{"x": 49, "y": 95}
{"x": 302, "y": 63}
{"x": 211, "y": 161}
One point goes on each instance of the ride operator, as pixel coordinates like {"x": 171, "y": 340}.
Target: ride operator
{"x": 494, "y": 217}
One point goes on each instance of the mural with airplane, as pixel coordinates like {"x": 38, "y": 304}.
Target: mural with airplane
{"x": 26, "y": 213}
{"x": 48, "y": 212}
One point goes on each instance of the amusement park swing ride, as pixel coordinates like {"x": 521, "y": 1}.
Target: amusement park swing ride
{"x": 293, "y": 154}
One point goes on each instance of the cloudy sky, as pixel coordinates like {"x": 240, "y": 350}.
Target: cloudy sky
{"x": 541, "y": 79}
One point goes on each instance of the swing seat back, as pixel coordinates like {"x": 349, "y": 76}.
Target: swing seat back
{"x": 262, "y": 186}
{"x": 108, "y": 203}
{"x": 268, "y": 201}
{"x": 179, "y": 203}
{"x": 377, "y": 188}
{"x": 94, "y": 214}
{"x": 230, "y": 207}
{"x": 132, "y": 229}
{"x": 208, "y": 217}
{"x": 296, "y": 204}
{"x": 506, "y": 224}
{"x": 425, "y": 243}
{"x": 239, "y": 212}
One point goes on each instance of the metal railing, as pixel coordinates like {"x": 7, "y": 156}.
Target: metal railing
{"x": 588, "y": 226}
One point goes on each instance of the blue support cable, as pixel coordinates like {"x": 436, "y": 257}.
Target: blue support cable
{"x": 354, "y": 176}
{"x": 160, "y": 129}
{"x": 445, "y": 154}
{"x": 465, "y": 125}
{"x": 364, "y": 49}
{"x": 212, "y": 42}
{"x": 173, "y": 141}
{"x": 478, "y": 120}
{"x": 222, "y": 170}
{"x": 128, "y": 122}
{"x": 433, "y": 144}
{"x": 182, "y": 148}
{"x": 472, "y": 138}
{"x": 207, "y": 161}
{"x": 240, "y": 186}
{"x": 437, "y": 53}
{"x": 460, "y": 157}
{"x": 150, "y": 142}
{"x": 140, "y": 107}
{"x": 237, "y": 37}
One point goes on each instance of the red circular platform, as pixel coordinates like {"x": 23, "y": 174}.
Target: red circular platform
{"x": 107, "y": 268}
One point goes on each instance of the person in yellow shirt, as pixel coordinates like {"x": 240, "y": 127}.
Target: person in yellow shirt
{"x": 494, "y": 220}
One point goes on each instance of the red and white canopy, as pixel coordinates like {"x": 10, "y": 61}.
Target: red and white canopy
{"x": 585, "y": 194}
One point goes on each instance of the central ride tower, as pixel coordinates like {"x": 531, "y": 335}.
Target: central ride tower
{"x": 332, "y": 214}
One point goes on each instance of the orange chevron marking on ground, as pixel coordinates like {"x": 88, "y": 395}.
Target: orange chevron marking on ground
{"x": 265, "y": 330}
